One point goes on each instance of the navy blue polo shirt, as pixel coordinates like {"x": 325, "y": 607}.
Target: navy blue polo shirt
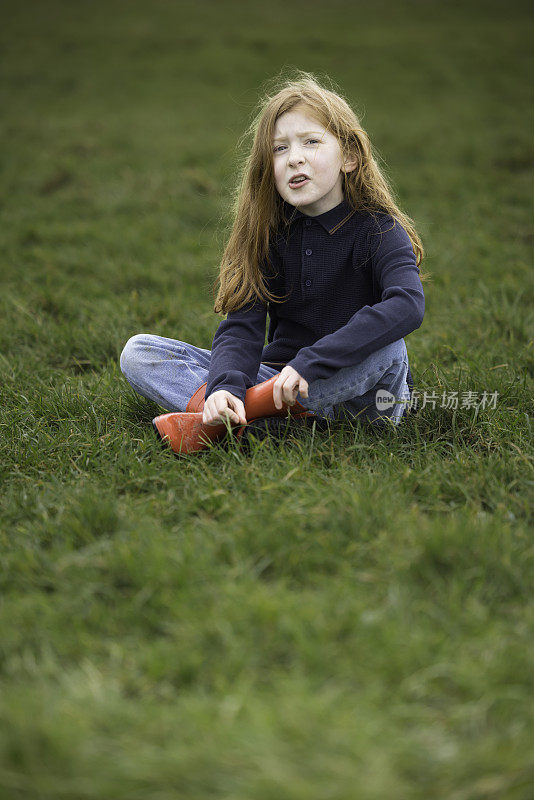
{"x": 350, "y": 286}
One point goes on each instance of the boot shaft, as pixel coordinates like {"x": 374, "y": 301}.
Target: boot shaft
{"x": 259, "y": 402}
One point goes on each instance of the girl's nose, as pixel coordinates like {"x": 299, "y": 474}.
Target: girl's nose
{"x": 295, "y": 157}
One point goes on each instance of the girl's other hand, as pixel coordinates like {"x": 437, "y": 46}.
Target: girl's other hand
{"x": 286, "y": 387}
{"x": 221, "y": 405}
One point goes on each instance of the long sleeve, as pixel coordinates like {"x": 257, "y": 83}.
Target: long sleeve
{"x": 236, "y": 350}
{"x": 400, "y": 310}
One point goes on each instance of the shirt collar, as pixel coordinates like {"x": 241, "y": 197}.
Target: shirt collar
{"x": 331, "y": 220}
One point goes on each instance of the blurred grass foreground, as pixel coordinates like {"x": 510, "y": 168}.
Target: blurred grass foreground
{"x": 342, "y": 615}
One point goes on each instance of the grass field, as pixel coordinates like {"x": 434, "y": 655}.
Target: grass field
{"x": 343, "y": 616}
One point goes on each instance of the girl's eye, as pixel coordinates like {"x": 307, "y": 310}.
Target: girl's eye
{"x": 276, "y": 149}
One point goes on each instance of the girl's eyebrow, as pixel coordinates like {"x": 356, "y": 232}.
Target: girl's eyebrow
{"x": 306, "y": 133}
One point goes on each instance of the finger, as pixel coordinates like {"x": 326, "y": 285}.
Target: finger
{"x": 207, "y": 417}
{"x": 217, "y": 411}
{"x": 240, "y": 408}
{"x": 289, "y": 393}
{"x": 288, "y": 398}
{"x": 285, "y": 399}
{"x": 231, "y": 411}
{"x": 228, "y": 413}
{"x": 283, "y": 394}
{"x": 220, "y": 405}
{"x": 235, "y": 410}
{"x": 279, "y": 388}
{"x": 303, "y": 389}
{"x": 277, "y": 394}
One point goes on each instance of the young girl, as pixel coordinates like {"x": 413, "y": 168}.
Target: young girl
{"x": 319, "y": 245}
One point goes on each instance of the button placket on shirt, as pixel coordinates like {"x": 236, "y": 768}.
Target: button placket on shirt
{"x": 307, "y": 264}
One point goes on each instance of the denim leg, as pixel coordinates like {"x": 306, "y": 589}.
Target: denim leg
{"x": 169, "y": 371}
{"x": 373, "y": 389}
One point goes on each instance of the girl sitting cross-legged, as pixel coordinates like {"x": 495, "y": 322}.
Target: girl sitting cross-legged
{"x": 319, "y": 245}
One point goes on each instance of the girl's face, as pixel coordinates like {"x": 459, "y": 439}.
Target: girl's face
{"x": 303, "y": 145}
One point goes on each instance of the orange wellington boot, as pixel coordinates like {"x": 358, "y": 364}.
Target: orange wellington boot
{"x": 196, "y": 403}
{"x": 183, "y": 429}
{"x": 258, "y": 402}
{"x": 186, "y": 433}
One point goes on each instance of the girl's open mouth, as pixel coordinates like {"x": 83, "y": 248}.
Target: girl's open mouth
{"x": 296, "y": 184}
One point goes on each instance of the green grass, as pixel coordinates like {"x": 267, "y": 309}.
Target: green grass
{"x": 347, "y": 614}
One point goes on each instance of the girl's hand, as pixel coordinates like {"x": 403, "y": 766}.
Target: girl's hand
{"x": 286, "y": 387}
{"x": 221, "y": 405}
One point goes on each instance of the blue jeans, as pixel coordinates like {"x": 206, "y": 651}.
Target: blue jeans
{"x": 169, "y": 372}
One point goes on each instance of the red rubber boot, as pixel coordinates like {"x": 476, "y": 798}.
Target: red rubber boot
{"x": 259, "y": 402}
{"x": 186, "y": 433}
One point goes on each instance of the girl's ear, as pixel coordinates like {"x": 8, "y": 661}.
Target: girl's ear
{"x": 350, "y": 164}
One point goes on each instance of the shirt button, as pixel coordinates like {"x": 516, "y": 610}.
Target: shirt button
{"x": 308, "y": 283}
{"x": 308, "y": 252}
{"x": 308, "y": 222}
